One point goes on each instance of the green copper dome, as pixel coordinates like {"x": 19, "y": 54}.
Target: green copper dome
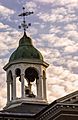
{"x": 25, "y": 50}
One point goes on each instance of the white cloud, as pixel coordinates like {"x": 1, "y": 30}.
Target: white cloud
{"x": 48, "y": 37}
{"x": 67, "y": 1}
{"x": 71, "y": 49}
{"x": 9, "y": 39}
{"x": 57, "y": 93}
{"x": 63, "y": 42}
{"x": 72, "y": 63}
{"x": 4, "y": 11}
{"x": 2, "y": 97}
{"x": 73, "y": 35}
{"x": 62, "y": 79}
{"x": 3, "y": 26}
{"x": 2, "y": 84}
{"x": 33, "y": 31}
{"x": 55, "y": 29}
{"x": 59, "y": 14}
{"x": 46, "y": 17}
{"x": 60, "y": 2}
{"x": 30, "y": 6}
{"x": 70, "y": 27}
{"x": 44, "y": 1}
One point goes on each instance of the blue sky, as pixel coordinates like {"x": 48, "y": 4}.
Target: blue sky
{"x": 54, "y": 32}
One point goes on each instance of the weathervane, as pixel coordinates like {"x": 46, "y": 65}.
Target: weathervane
{"x": 24, "y": 25}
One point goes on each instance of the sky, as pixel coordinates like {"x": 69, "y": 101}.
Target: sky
{"x": 54, "y": 32}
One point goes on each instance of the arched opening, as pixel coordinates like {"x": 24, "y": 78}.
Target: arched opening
{"x": 31, "y": 75}
{"x": 9, "y": 76}
{"x": 18, "y": 82}
{"x": 17, "y": 72}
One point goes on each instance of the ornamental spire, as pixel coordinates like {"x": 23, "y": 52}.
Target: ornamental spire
{"x": 24, "y": 25}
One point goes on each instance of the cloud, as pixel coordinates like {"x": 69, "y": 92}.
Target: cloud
{"x": 44, "y": 1}
{"x": 72, "y": 35}
{"x": 2, "y": 97}
{"x": 46, "y": 17}
{"x": 9, "y": 39}
{"x": 33, "y": 31}
{"x": 71, "y": 27}
{"x": 71, "y": 49}
{"x": 8, "y": 42}
{"x": 62, "y": 73}
{"x": 3, "y": 26}
{"x": 59, "y": 2}
{"x": 55, "y": 89}
{"x": 60, "y": 82}
{"x": 67, "y": 2}
{"x": 54, "y": 29}
{"x": 4, "y": 11}
{"x": 30, "y": 6}
{"x": 59, "y": 14}
{"x": 64, "y": 2}
{"x": 63, "y": 42}
{"x": 2, "y": 84}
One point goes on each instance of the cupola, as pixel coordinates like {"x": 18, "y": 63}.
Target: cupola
{"x": 26, "y": 74}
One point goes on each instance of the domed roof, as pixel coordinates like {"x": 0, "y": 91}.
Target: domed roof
{"x": 25, "y": 50}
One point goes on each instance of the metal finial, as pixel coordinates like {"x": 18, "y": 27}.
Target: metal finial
{"x": 24, "y": 25}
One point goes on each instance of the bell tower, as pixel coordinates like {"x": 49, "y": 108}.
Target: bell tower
{"x": 26, "y": 73}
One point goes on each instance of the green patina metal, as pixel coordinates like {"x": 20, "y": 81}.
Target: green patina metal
{"x": 25, "y": 50}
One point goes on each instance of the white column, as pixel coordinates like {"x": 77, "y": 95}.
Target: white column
{"x": 8, "y": 91}
{"x": 22, "y": 86}
{"x": 14, "y": 87}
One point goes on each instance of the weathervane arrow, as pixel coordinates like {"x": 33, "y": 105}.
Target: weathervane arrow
{"x": 25, "y": 14}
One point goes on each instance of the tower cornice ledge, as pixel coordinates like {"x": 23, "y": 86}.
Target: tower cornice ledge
{"x": 19, "y": 101}
{"x": 33, "y": 61}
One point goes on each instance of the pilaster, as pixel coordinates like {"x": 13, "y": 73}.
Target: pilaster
{"x": 14, "y": 87}
{"x": 8, "y": 91}
{"x": 22, "y": 86}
